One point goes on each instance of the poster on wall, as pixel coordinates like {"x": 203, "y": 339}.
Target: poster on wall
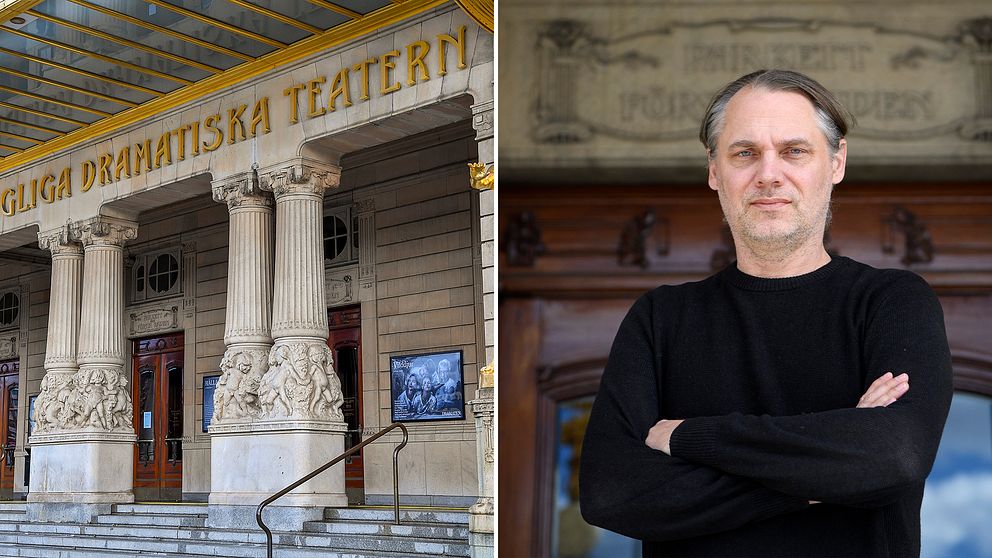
{"x": 427, "y": 387}
{"x": 209, "y": 386}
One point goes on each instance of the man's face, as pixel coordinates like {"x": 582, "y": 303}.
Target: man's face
{"x": 773, "y": 170}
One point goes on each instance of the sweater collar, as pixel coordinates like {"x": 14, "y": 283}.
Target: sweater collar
{"x": 747, "y": 282}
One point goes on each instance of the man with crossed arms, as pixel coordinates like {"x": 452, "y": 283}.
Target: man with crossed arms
{"x": 791, "y": 404}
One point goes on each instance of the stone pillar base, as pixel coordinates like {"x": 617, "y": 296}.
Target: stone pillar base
{"x": 480, "y": 545}
{"x": 250, "y": 462}
{"x": 480, "y": 525}
{"x": 59, "y": 512}
{"x": 84, "y": 469}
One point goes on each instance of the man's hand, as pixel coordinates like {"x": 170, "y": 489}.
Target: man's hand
{"x": 884, "y": 391}
{"x": 660, "y": 435}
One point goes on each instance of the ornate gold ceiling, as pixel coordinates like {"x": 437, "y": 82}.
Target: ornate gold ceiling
{"x": 71, "y": 70}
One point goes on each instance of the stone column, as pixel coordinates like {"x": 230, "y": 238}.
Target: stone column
{"x": 299, "y": 425}
{"x": 483, "y": 179}
{"x": 247, "y": 334}
{"x": 83, "y": 449}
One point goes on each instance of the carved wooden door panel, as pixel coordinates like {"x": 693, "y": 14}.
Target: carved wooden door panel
{"x": 345, "y": 341}
{"x": 9, "y": 393}
{"x": 157, "y": 391}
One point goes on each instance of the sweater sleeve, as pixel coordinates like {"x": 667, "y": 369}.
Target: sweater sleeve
{"x": 631, "y": 489}
{"x": 856, "y": 457}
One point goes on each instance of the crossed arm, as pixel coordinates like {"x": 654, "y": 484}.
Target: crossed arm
{"x": 722, "y": 472}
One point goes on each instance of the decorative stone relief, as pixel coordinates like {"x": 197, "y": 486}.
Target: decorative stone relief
{"x": 156, "y": 320}
{"x": 90, "y": 398}
{"x": 523, "y": 240}
{"x": 241, "y": 191}
{"x": 301, "y": 178}
{"x": 104, "y": 230}
{"x": 482, "y": 120}
{"x": 63, "y": 240}
{"x": 594, "y": 84}
{"x": 236, "y": 395}
{"x": 339, "y": 290}
{"x": 8, "y": 346}
{"x": 301, "y": 384}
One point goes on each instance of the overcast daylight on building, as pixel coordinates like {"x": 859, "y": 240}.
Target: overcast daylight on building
{"x": 603, "y": 196}
{"x": 239, "y": 238}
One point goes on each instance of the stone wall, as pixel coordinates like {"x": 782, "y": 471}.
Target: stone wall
{"x": 427, "y": 299}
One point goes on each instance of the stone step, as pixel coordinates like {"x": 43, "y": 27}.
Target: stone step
{"x": 420, "y": 530}
{"x": 49, "y": 547}
{"x": 13, "y": 506}
{"x": 153, "y": 519}
{"x": 410, "y": 545}
{"x": 159, "y": 508}
{"x": 413, "y": 515}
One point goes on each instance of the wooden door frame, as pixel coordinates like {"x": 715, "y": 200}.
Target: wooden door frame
{"x": 356, "y": 324}
{"x": 168, "y": 479}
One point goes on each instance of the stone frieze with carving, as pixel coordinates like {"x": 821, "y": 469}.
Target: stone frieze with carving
{"x": 91, "y": 398}
{"x": 301, "y": 383}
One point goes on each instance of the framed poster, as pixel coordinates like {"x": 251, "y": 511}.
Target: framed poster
{"x": 209, "y": 386}
{"x": 427, "y": 387}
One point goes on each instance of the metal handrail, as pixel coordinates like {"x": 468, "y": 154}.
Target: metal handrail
{"x": 331, "y": 463}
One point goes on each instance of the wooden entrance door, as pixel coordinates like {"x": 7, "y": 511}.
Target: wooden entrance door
{"x": 345, "y": 341}
{"x": 158, "y": 417}
{"x": 8, "y": 421}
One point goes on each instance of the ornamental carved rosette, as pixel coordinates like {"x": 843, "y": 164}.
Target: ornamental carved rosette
{"x": 301, "y": 384}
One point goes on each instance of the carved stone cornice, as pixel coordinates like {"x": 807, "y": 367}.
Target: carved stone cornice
{"x": 482, "y": 120}
{"x": 302, "y": 176}
{"x": 105, "y": 231}
{"x": 241, "y": 190}
{"x": 60, "y": 241}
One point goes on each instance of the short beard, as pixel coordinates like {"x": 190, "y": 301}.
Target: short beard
{"x": 777, "y": 247}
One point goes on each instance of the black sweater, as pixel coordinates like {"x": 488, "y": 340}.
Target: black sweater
{"x": 767, "y": 373}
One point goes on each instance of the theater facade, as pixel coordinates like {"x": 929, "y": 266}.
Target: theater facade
{"x": 229, "y": 260}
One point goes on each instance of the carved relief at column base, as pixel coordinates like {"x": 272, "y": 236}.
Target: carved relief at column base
{"x": 300, "y": 382}
{"x": 236, "y": 396}
{"x": 95, "y": 397}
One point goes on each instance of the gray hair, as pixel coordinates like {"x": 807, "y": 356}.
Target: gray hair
{"x": 831, "y": 116}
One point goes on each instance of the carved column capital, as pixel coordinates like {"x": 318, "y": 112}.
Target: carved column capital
{"x": 60, "y": 242}
{"x": 302, "y": 176}
{"x": 105, "y": 231}
{"x": 241, "y": 190}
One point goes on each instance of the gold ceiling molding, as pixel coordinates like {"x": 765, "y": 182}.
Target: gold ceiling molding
{"x": 336, "y": 35}
{"x": 17, "y": 8}
{"x": 482, "y": 11}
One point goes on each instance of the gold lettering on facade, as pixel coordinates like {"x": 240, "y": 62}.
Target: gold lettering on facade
{"x": 64, "y": 189}
{"x": 7, "y": 204}
{"x": 313, "y": 92}
{"x": 210, "y": 126}
{"x": 339, "y": 87}
{"x": 385, "y": 65}
{"x": 180, "y": 134}
{"x": 260, "y": 115}
{"x": 444, "y": 40}
{"x": 194, "y": 137}
{"x": 123, "y": 163}
{"x": 89, "y": 175}
{"x": 47, "y": 188}
{"x": 143, "y": 154}
{"x": 414, "y": 59}
{"x": 363, "y": 67}
{"x": 294, "y": 111}
{"x": 163, "y": 150}
{"x": 108, "y": 169}
{"x": 103, "y": 172}
{"x": 235, "y": 127}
